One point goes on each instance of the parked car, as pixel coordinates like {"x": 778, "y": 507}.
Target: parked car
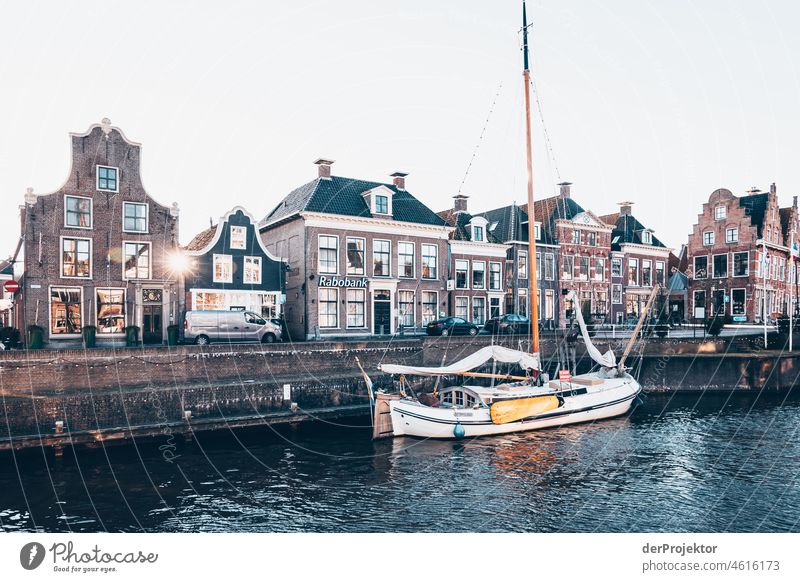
{"x": 452, "y": 326}
{"x": 510, "y": 323}
{"x": 204, "y": 327}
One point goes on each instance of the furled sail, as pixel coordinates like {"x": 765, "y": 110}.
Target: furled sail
{"x": 498, "y": 353}
{"x": 609, "y": 360}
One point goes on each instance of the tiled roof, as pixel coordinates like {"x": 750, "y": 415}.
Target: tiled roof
{"x": 344, "y": 196}
{"x": 201, "y": 240}
{"x": 507, "y": 223}
{"x": 461, "y": 220}
{"x": 627, "y": 230}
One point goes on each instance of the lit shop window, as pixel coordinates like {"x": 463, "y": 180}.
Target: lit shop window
{"x": 65, "y": 310}
{"x": 110, "y": 310}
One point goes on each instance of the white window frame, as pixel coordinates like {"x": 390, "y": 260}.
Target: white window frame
{"x": 150, "y": 255}
{"x": 124, "y": 307}
{"x": 500, "y": 272}
{"x": 61, "y": 258}
{"x": 616, "y": 291}
{"x": 522, "y": 265}
{"x": 347, "y": 308}
{"x": 646, "y": 263}
{"x": 413, "y": 259}
{"x": 711, "y": 237}
{"x": 254, "y": 260}
{"x": 388, "y": 203}
{"x": 694, "y": 266}
{"x": 735, "y": 231}
{"x": 551, "y": 276}
{"x": 237, "y": 227}
{"x": 363, "y": 272}
{"x": 628, "y": 273}
{"x": 647, "y": 237}
{"x": 413, "y": 307}
{"x": 146, "y": 217}
{"x": 733, "y": 262}
{"x": 50, "y": 312}
{"x": 537, "y": 230}
{"x": 422, "y": 303}
{"x": 220, "y": 256}
{"x": 466, "y": 304}
{"x": 478, "y": 228}
{"x": 91, "y": 212}
{"x": 616, "y": 261}
{"x": 720, "y": 215}
{"x": 335, "y": 290}
{"x": 319, "y": 248}
{"x": 663, "y": 270}
{"x": 467, "y": 271}
{"x": 435, "y": 248}
{"x": 472, "y": 309}
{"x": 727, "y": 266}
{"x": 567, "y": 275}
{"x": 602, "y": 262}
{"x": 389, "y": 254}
{"x": 97, "y": 177}
{"x": 743, "y": 290}
{"x": 472, "y": 275}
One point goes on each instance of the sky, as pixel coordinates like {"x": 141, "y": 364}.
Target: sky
{"x": 651, "y": 101}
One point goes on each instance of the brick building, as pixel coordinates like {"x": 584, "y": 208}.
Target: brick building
{"x": 6, "y": 298}
{"x": 365, "y": 258}
{"x": 476, "y": 269}
{"x": 738, "y": 254}
{"x": 639, "y": 260}
{"x": 97, "y": 250}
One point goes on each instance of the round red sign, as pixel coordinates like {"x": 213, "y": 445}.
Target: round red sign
{"x": 11, "y": 286}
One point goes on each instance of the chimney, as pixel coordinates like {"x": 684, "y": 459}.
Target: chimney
{"x": 564, "y": 189}
{"x": 794, "y": 203}
{"x": 753, "y": 190}
{"x": 625, "y": 208}
{"x": 399, "y": 180}
{"x": 773, "y": 189}
{"x": 460, "y": 204}
{"x": 324, "y": 168}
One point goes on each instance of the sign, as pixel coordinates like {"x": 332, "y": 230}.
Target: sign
{"x": 563, "y": 376}
{"x": 700, "y": 312}
{"x": 451, "y": 284}
{"x": 151, "y": 295}
{"x": 739, "y": 318}
{"x": 360, "y": 283}
{"x": 237, "y": 307}
{"x": 727, "y": 298}
{"x": 11, "y": 286}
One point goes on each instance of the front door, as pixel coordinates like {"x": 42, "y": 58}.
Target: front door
{"x": 382, "y": 310}
{"x": 151, "y": 324}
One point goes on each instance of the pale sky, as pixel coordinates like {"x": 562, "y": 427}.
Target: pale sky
{"x": 659, "y": 102}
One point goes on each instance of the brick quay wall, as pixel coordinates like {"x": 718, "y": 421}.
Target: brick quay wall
{"x": 63, "y": 396}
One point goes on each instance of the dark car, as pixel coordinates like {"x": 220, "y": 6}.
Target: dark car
{"x": 510, "y": 323}
{"x": 452, "y": 326}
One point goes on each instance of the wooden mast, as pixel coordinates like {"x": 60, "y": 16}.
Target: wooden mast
{"x": 532, "y": 282}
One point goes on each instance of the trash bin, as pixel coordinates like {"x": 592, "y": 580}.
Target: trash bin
{"x": 132, "y": 335}
{"x": 172, "y": 335}
{"x": 35, "y": 337}
{"x": 89, "y": 336}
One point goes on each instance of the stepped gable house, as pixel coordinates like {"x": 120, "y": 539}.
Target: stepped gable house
{"x": 230, "y": 268}
{"x": 476, "y": 286}
{"x": 97, "y": 250}
{"x": 639, "y": 260}
{"x": 739, "y": 255}
{"x": 365, "y": 258}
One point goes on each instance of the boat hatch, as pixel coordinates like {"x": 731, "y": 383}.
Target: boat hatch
{"x": 459, "y": 398}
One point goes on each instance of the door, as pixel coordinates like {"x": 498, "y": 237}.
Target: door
{"x": 382, "y": 312}
{"x": 253, "y": 326}
{"x": 151, "y": 324}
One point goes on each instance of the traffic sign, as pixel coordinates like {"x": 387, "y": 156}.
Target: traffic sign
{"x": 11, "y": 286}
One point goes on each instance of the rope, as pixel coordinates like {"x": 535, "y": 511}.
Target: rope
{"x": 480, "y": 139}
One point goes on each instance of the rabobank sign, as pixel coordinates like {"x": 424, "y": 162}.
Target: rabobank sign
{"x": 359, "y": 283}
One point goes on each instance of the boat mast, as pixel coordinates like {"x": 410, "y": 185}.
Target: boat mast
{"x": 532, "y": 282}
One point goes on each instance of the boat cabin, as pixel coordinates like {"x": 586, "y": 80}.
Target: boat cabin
{"x": 484, "y": 396}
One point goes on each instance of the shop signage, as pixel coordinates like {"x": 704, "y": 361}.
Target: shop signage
{"x": 360, "y": 283}
{"x": 739, "y": 318}
{"x": 151, "y": 295}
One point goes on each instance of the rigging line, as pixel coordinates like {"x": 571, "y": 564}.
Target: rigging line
{"x": 547, "y": 142}
{"x": 480, "y": 139}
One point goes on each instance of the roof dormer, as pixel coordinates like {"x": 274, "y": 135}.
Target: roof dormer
{"x": 379, "y": 201}
{"x": 477, "y": 229}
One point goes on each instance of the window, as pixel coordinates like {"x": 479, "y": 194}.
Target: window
{"x": 494, "y": 276}
{"x": 430, "y": 301}
{"x": 65, "y": 310}
{"x": 601, "y": 303}
{"x": 356, "y": 301}
{"x": 567, "y": 267}
{"x": 647, "y": 237}
{"x": 720, "y": 212}
{"x": 107, "y": 179}
{"x": 538, "y": 266}
{"x": 355, "y": 256}
{"x": 110, "y": 310}
{"x": 328, "y": 307}
{"x": 701, "y": 267}
{"x": 462, "y": 271}
{"x": 633, "y": 272}
{"x": 741, "y": 264}
{"x": 477, "y": 233}
{"x": 406, "y": 304}
{"x": 583, "y": 268}
{"x": 576, "y": 236}
{"x": 494, "y": 307}
{"x": 549, "y": 303}
{"x": 616, "y": 294}
{"x": 708, "y": 238}
{"x": 209, "y": 301}
{"x": 737, "y": 302}
{"x": 223, "y": 268}
{"x": 328, "y": 263}
{"x": 76, "y": 257}
{"x": 720, "y": 266}
{"x": 731, "y": 235}
{"x": 522, "y": 265}
{"x": 537, "y": 231}
{"x": 599, "y": 269}
{"x": 549, "y": 266}
{"x": 78, "y": 212}
{"x": 699, "y": 303}
{"x": 478, "y": 274}
{"x": 660, "y": 273}
{"x": 381, "y": 204}
{"x": 252, "y": 270}
{"x": 430, "y": 255}
{"x": 238, "y": 237}
{"x": 462, "y": 307}
{"x": 616, "y": 267}
{"x": 647, "y": 273}
{"x": 381, "y": 257}
{"x": 405, "y": 256}
{"x": 592, "y": 239}
{"x": 134, "y": 217}
{"x": 479, "y": 310}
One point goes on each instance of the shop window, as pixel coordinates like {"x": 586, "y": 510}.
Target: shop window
{"x": 110, "y": 310}
{"x": 65, "y": 310}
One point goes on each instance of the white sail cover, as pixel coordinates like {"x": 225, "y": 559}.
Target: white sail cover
{"x": 609, "y": 360}
{"x": 507, "y": 356}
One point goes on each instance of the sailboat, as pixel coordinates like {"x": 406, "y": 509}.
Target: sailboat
{"x": 526, "y": 401}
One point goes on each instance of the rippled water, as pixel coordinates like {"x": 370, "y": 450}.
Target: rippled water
{"x": 710, "y": 463}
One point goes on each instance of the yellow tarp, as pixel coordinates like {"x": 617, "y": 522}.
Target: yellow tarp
{"x": 506, "y": 411}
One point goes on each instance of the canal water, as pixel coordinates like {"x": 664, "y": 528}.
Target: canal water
{"x": 689, "y": 462}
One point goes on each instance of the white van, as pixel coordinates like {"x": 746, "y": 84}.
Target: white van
{"x": 204, "y": 327}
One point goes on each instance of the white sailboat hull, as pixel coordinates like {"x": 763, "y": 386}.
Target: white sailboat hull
{"x": 612, "y": 397}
